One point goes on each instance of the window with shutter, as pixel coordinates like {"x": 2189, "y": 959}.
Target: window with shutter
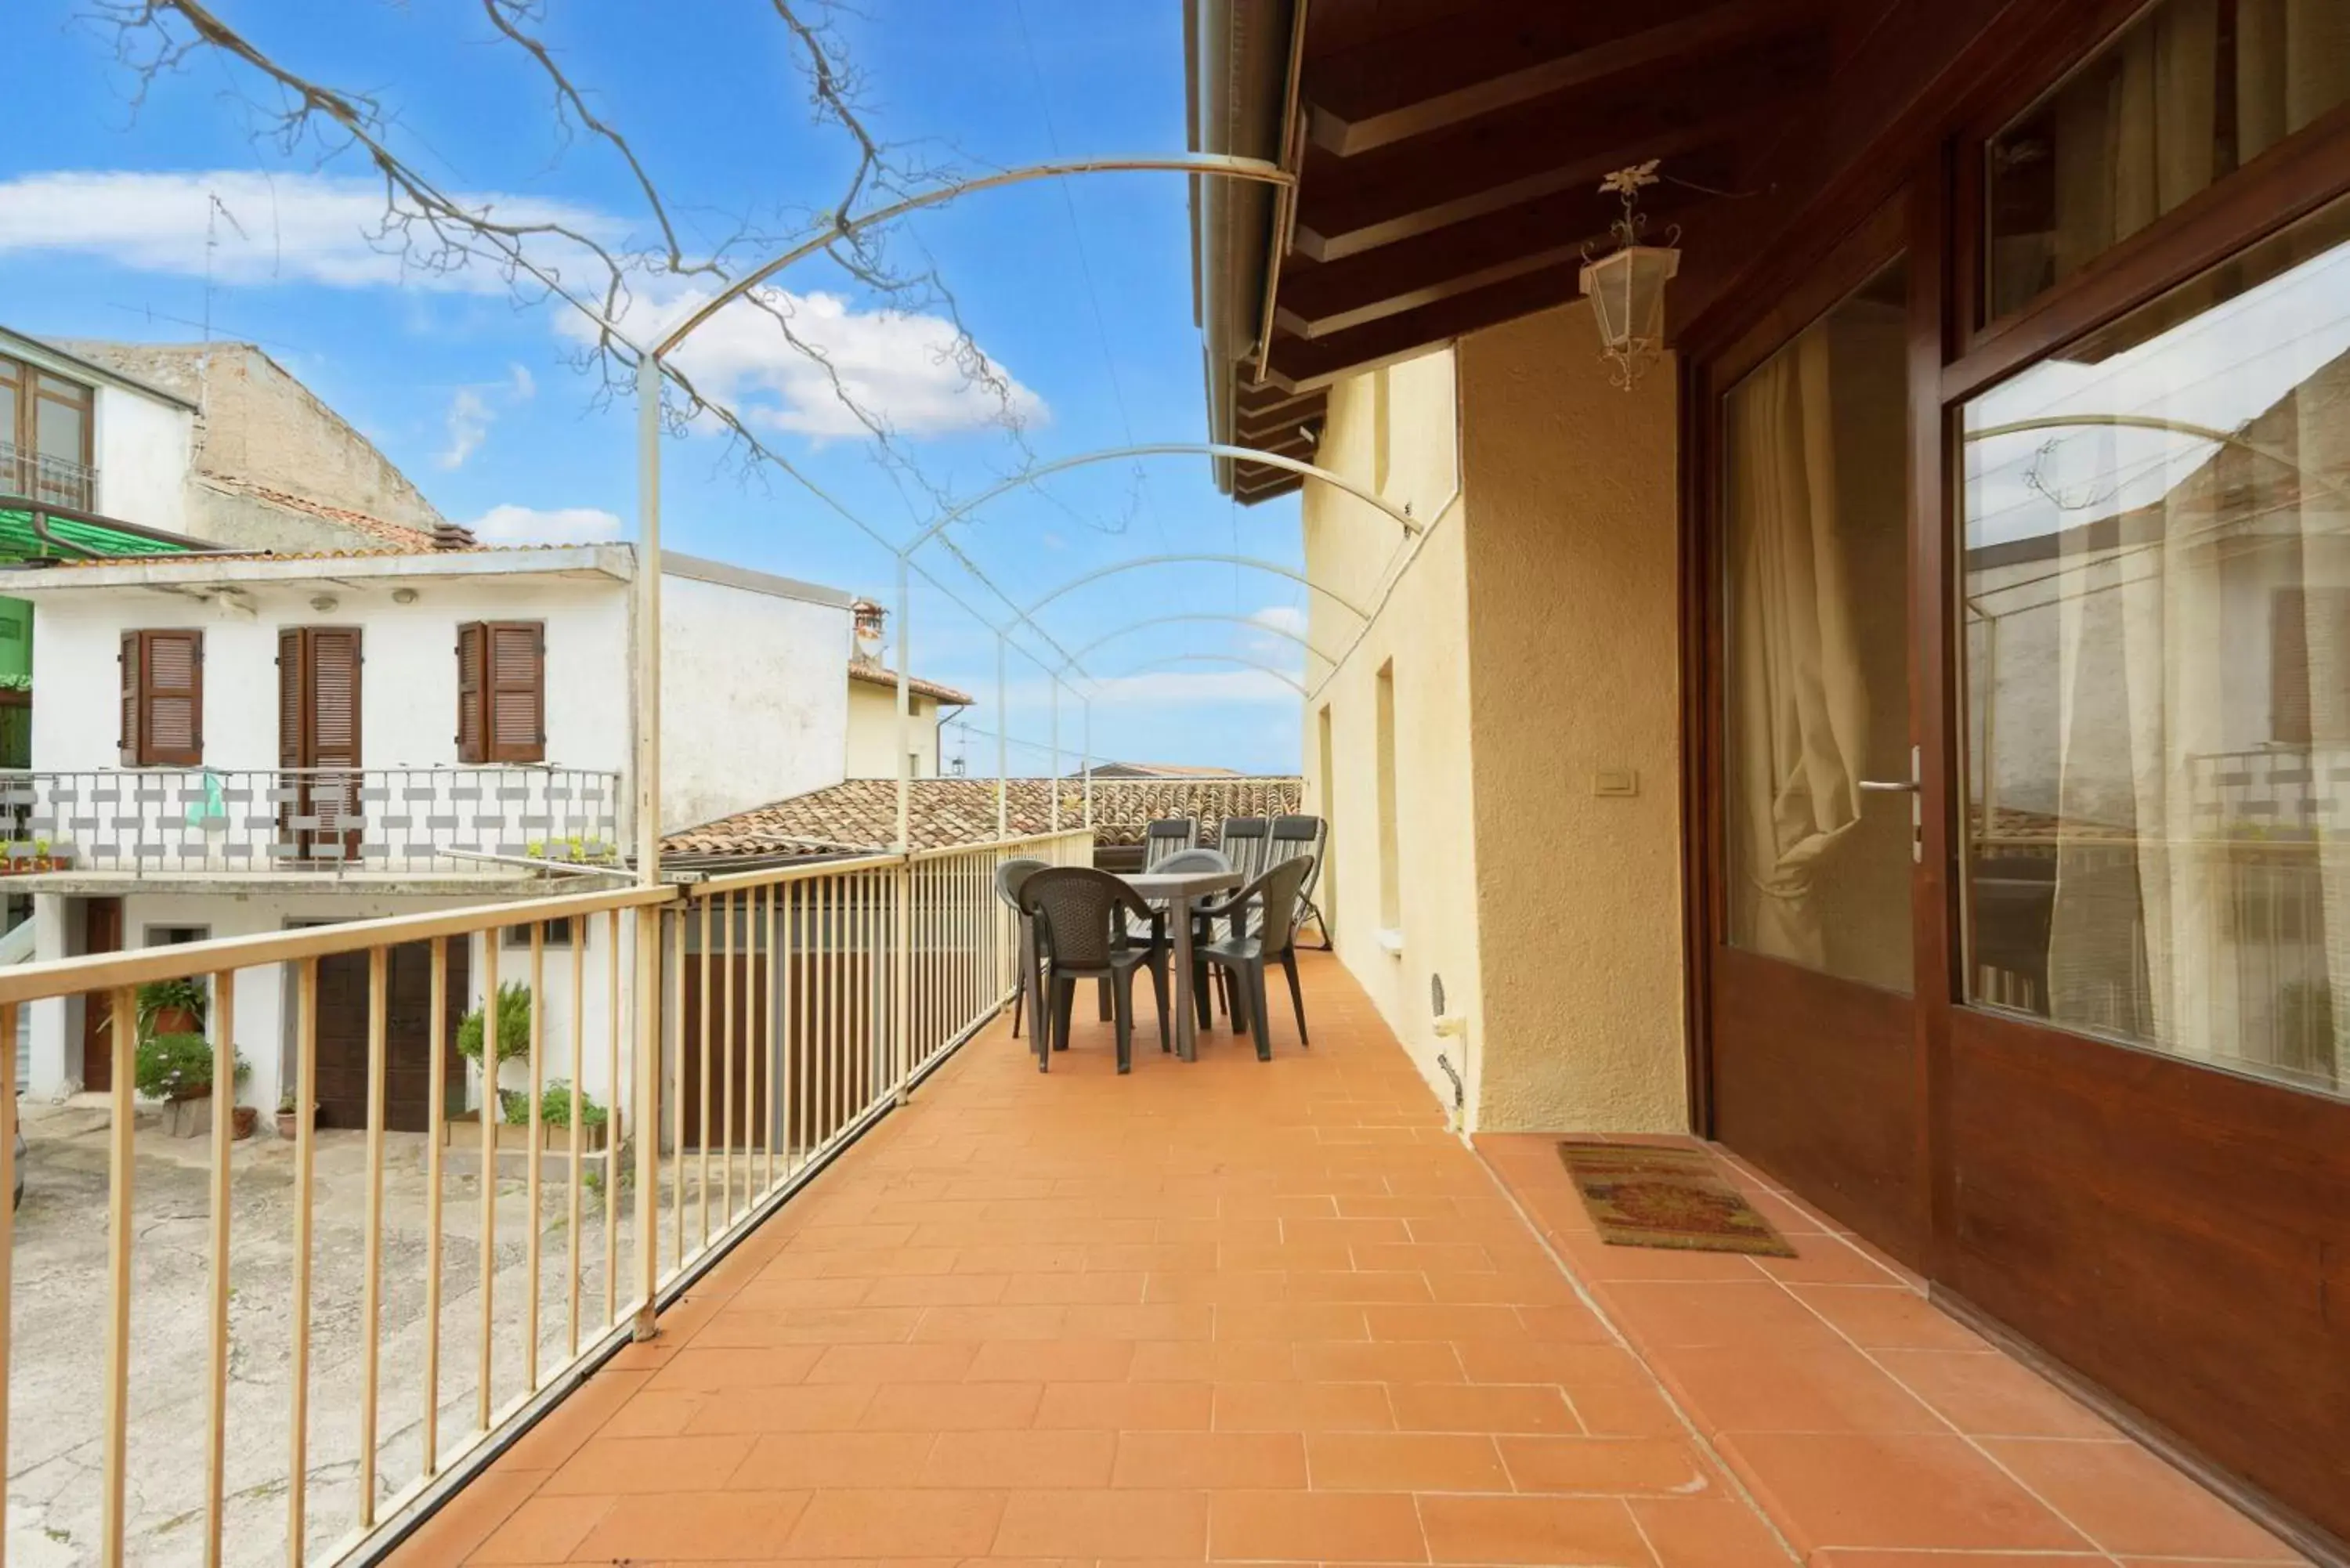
{"x": 473, "y": 724}
{"x": 163, "y": 718}
{"x": 2302, "y": 622}
{"x": 516, "y": 691}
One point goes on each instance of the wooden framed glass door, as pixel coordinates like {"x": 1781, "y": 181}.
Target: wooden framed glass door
{"x": 1815, "y": 752}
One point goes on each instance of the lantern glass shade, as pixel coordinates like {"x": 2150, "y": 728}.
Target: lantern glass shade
{"x": 1627, "y": 289}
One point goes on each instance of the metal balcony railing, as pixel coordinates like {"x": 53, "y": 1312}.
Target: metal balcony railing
{"x": 38, "y": 476}
{"x": 305, "y": 821}
{"x": 752, "y": 1025}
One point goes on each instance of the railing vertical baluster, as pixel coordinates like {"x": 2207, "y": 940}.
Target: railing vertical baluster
{"x": 729, "y": 943}
{"x": 486, "y": 1115}
{"x": 223, "y": 1015}
{"x": 371, "y": 1264}
{"x": 613, "y": 1121}
{"x": 702, "y": 1125}
{"x": 579, "y": 1100}
{"x": 436, "y": 1133}
{"x": 776, "y": 1017}
{"x": 645, "y": 1081}
{"x": 118, "y": 1333}
{"x": 306, "y": 1140}
{"x": 8, "y": 1255}
{"x": 749, "y": 944}
{"x": 825, "y": 1038}
{"x": 677, "y": 1083}
{"x": 534, "y": 1150}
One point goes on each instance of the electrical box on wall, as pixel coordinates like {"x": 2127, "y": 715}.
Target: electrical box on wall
{"x": 1616, "y": 782}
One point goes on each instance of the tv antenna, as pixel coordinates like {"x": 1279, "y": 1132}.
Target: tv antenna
{"x": 211, "y": 242}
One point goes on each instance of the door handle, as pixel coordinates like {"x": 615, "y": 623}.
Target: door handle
{"x": 1909, "y": 786}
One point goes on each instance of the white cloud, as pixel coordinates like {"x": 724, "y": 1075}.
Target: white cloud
{"x": 1158, "y": 688}
{"x": 472, "y": 410}
{"x": 559, "y": 525}
{"x": 287, "y": 228}
{"x": 900, "y": 365}
{"x": 1282, "y": 618}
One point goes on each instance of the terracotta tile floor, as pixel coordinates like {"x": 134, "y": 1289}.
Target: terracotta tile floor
{"x": 1273, "y": 1312}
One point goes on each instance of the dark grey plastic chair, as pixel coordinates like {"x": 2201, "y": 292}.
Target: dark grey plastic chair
{"x": 1262, "y": 921}
{"x": 1168, "y": 835}
{"x": 1081, "y": 931}
{"x": 1010, "y": 876}
{"x": 1292, "y": 835}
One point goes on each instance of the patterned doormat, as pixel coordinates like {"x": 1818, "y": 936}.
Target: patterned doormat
{"x": 1644, "y": 1195}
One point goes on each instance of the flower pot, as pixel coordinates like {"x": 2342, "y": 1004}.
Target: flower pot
{"x": 241, "y": 1126}
{"x": 176, "y": 1021}
{"x": 289, "y": 1123}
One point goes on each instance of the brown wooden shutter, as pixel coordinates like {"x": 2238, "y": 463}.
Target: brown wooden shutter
{"x": 334, "y": 697}
{"x": 472, "y": 719}
{"x": 131, "y": 660}
{"x": 2309, "y": 630}
{"x": 172, "y": 698}
{"x": 289, "y": 696}
{"x": 518, "y": 703}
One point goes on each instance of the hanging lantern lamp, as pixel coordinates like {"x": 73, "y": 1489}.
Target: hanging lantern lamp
{"x": 1627, "y": 285}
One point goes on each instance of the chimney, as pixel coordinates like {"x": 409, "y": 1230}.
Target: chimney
{"x": 454, "y": 537}
{"x": 867, "y": 625}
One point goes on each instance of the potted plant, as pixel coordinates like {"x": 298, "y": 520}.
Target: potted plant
{"x": 178, "y": 1069}
{"x": 514, "y": 1036}
{"x": 555, "y": 1113}
{"x": 289, "y": 1120}
{"x": 171, "y": 1007}
{"x": 42, "y": 859}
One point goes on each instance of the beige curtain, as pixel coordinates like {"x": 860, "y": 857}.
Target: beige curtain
{"x": 1798, "y": 707}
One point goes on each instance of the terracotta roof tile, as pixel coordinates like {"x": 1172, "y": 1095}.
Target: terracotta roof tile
{"x": 875, "y": 675}
{"x": 396, "y": 535}
{"x": 863, "y": 813}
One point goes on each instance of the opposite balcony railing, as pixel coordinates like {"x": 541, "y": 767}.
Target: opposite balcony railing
{"x": 307, "y": 1347}
{"x": 38, "y": 476}
{"x": 305, "y": 820}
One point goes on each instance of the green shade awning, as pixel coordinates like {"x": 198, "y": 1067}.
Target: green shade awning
{"x": 19, "y": 542}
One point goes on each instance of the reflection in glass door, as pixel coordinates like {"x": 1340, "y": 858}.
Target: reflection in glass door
{"x": 1818, "y": 787}
{"x": 2157, "y": 604}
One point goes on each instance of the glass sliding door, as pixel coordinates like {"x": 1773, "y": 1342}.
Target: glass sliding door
{"x": 2156, "y": 613}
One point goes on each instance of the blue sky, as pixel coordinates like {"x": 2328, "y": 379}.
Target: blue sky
{"x": 1078, "y": 291}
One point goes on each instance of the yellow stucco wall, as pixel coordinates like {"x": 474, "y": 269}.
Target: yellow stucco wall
{"x": 1574, "y": 669}
{"x": 873, "y": 732}
{"x": 1531, "y": 637}
{"x": 1359, "y": 551}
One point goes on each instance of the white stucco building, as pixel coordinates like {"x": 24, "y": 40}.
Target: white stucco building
{"x": 231, "y": 743}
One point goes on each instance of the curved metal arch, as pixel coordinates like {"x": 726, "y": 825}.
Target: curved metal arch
{"x": 1409, "y": 525}
{"x": 1257, "y": 664}
{"x": 1253, "y": 562}
{"x": 1212, "y": 163}
{"x": 1202, "y": 615}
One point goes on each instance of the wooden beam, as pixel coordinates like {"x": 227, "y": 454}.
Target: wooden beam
{"x": 1308, "y": 366}
{"x": 1317, "y": 300}
{"x": 1414, "y": 187}
{"x": 1455, "y": 70}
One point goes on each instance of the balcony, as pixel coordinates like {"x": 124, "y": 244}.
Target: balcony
{"x": 864, "y": 1285}
{"x": 82, "y": 831}
{"x": 41, "y": 477}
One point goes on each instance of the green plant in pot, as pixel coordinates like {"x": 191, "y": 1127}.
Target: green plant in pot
{"x": 513, "y": 1031}
{"x": 179, "y": 1067}
{"x": 555, "y": 1110}
{"x": 171, "y": 1007}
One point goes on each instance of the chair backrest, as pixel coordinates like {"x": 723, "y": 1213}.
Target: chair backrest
{"x": 1194, "y": 860}
{"x": 1010, "y": 875}
{"x": 1277, "y": 894}
{"x": 1243, "y": 840}
{"x": 1295, "y": 835}
{"x": 1168, "y": 835}
{"x": 1081, "y": 913}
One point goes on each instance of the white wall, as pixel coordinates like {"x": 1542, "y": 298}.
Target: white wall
{"x": 264, "y": 995}
{"x": 141, "y": 446}
{"x": 873, "y": 732}
{"x": 407, "y": 681}
{"x": 754, "y": 702}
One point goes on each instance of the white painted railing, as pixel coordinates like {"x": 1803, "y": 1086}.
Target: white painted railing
{"x": 390, "y": 1316}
